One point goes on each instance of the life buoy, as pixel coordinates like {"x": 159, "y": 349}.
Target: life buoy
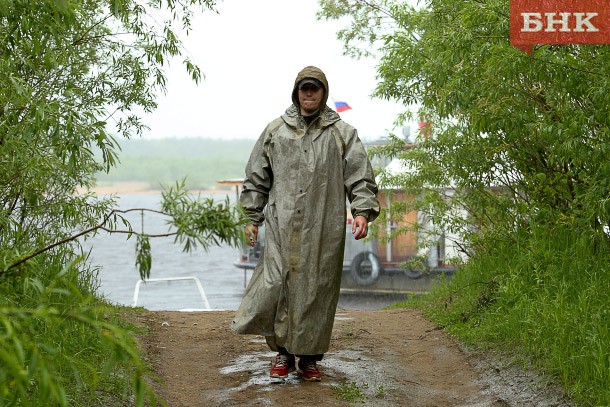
{"x": 365, "y": 268}
{"x": 413, "y": 274}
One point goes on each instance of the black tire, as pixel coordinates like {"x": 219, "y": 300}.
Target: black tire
{"x": 365, "y": 269}
{"x": 413, "y": 274}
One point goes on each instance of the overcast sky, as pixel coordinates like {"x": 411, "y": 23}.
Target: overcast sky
{"x": 250, "y": 54}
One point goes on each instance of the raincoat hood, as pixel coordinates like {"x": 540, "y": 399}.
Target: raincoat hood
{"x": 310, "y": 72}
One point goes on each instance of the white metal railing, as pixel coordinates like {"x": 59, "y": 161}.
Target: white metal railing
{"x": 204, "y": 298}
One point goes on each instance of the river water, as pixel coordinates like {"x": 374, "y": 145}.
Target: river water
{"x": 222, "y": 283}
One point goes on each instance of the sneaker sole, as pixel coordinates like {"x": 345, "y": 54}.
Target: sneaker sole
{"x": 311, "y": 379}
{"x": 308, "y": 379}
{"x": 277, "y": 376}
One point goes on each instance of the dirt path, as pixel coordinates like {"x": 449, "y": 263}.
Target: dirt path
{"x": 389, "y": 357}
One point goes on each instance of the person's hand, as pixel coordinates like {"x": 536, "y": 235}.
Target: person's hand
{"x": 360, "y": 227}
{"x": 252, "y": 234}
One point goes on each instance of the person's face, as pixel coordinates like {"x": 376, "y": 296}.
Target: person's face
{"x": 310, "y": 98}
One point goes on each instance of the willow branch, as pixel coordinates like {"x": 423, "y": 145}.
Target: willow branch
{"x": 100, "y": 226}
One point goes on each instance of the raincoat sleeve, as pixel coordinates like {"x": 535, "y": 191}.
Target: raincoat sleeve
{"x": 359, "y": 179}
{"x": 258, "y": 181}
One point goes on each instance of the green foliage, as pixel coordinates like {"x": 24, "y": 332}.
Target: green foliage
{"x": 59, "y": 345}
{"x": 202, "y": 221}
{"x": 512, "y": 134}
{"x": 551, "y": 302}
{"x": 349, "y": 392}
{"x": 143, "y": 256}
{"x": 514, "y": 163}
{"x": 355, "y": 393}
{"x": 72, "y": 73}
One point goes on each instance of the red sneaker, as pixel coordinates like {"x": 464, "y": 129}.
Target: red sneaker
{"x": 309, "y": 371}
{"x": 284, "y": 364}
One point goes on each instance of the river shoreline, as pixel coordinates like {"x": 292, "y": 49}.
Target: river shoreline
{"x": 142, "y": 188}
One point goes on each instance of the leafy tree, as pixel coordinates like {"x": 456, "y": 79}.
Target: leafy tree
{"x": 514, "y": 160}
{"x": 520, "y": 137}
{"x": 72, "y": 72}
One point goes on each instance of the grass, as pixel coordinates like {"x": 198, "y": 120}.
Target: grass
{"x": 60, "y": 345}
{"x": 349, "y": 391}
{"x": 547, "y": 298}
{"x": 355, "y": 393}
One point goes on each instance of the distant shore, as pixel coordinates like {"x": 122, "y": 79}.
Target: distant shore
{"x": 143, "y": 188}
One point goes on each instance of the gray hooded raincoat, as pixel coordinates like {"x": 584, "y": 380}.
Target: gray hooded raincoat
{"x": 297, "y": 181}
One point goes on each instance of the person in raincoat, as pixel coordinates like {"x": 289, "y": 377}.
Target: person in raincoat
{"x": 301, "y": 170}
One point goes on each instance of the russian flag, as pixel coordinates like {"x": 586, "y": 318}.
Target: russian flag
{"x": 341, "y": 106}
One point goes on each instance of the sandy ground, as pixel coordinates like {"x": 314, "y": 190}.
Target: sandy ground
{"x": 122, "y": 188}
{"x": 143, "y": 188}
{"x": 388, "y": 357}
